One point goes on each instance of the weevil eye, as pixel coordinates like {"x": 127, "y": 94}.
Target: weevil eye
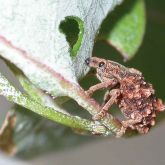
{"x": 87, "y": 61}
{"x": 101, "y": 64}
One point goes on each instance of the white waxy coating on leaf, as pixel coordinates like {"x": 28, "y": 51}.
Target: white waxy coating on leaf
{"x": 7, "y": 90}
{"x": 33, "y": 26}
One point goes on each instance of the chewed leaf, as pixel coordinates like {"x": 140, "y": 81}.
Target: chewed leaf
{"x": 124, "y": 28}
{"x": 74, "y": 36}
{"x": 32, "y": 38}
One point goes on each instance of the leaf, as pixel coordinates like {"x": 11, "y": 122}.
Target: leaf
{"x": 26, "y": 132}
{"x": 34, "y": 92}
{"x": 7, "y": 90}
{"x": 27, "y": 135}
{"x": 30, "y": 37}
{"x": 41, "y": 51}
{"x": 34, "y": 135}
{"x": 124, "y": 28}
{"x": 38, "y": 95}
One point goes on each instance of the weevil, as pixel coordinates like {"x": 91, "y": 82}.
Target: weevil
{"x": 128, "y": 89}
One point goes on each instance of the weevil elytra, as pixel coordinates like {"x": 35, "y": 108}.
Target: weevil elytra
{"x": 128, "y": 89}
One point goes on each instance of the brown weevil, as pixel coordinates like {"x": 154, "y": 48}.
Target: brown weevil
{"x": 128, "y": 89}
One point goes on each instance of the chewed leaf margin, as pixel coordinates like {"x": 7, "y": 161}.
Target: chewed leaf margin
{"x": 74, "y": 37}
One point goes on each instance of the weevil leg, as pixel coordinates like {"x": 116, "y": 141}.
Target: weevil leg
{"x": 127, "y": 123}
{"x": 113, "y": 94}
{"x": 105, "y": 84}
{"x": 106, "y": 97}
{"x": 143, "y": 130}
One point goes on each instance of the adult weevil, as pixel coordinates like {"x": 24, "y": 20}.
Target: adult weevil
{"x": 128, "y": 89}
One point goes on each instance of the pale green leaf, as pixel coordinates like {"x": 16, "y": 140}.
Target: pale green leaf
{"x": 31, "y": 38}
{"x": 124, "y": 28}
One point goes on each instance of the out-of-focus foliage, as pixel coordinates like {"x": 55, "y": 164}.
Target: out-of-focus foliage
{"x": 124, "y": 28}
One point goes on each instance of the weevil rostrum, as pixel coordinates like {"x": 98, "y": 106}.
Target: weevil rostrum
{"x": 128, "y": 89}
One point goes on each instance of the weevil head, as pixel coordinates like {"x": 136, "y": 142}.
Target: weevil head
{"x": 99, "y": 64}
{"x": 96, "y": 62}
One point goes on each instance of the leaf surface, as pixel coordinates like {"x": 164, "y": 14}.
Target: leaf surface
{"x": 30, "y": 37}
{"x": 124, "y": 28}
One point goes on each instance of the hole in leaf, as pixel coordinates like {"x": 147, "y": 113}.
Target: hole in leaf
{"x": 73, "y": 29}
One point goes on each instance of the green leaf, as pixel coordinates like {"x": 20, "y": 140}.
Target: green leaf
{"x": 27, "y": 135}
{"x": 38, "y": 45}
{"x": 34, "y": 135}
{"x": 38, "y": 48}
{"x": 124, "y": 28}
{"x": 7, "y": 90}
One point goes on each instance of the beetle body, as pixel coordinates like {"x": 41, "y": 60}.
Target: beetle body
{"x": 135, "y": 97}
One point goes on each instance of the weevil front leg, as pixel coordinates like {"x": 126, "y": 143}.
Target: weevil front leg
{"x": 105, "y": 84}
{"x": 113, "y": 95}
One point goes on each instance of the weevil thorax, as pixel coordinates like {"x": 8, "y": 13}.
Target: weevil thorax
{"x": 116, "y": 70}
